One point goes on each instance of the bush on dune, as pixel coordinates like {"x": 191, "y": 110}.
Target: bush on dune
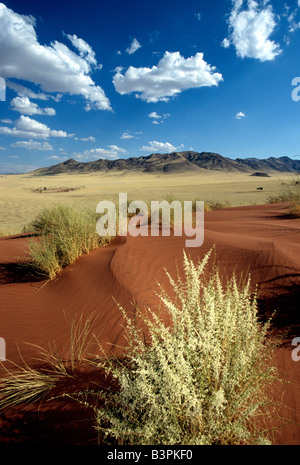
{"x": 201, "y": 380}
{"x": 65, "y": 234}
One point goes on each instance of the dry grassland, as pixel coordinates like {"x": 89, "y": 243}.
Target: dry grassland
{"x": 23, "y": 196}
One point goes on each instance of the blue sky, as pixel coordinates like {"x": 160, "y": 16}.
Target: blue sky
{"x": 120, "y": 78}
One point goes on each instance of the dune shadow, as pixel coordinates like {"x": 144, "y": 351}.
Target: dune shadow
{"x": 286, "y": 216}
{"x": 285, "y": 302}
{"x": 13, "y": 273}
{"x": 61, "y": 424}
{"x": 19, "y": 236}
{"x": 57, "y": 419}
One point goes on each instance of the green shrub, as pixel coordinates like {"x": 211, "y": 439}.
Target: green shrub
{"x": 201, "y": 379}
{"x": 65, "y": 234}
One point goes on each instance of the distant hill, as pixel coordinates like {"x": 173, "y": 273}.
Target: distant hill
{"x": 260, "y": 174}
{"x": 175, "y": 162}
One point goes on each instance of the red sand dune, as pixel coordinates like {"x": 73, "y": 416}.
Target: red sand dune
{"x": 261, "y": 240}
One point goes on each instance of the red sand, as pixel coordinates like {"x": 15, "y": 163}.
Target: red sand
{"x": 261, "y": 240}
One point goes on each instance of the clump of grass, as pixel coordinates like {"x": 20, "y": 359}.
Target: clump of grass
{"x": 217, "y": 205}
{"x": 65, "y": 234}
{"x": 207, "y": 207}
{"x": 200, "y": 380}
{"x": 23, "y": 384}
{"x": 5, "y": 232}
{"x": 82, "y": 339}
{"x": 289, "y": 193}
{"x": 295, "y": 208}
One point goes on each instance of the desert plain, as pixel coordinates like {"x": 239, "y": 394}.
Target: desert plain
{"x": 23, "y": 196}
{"x": 250, "y": 236}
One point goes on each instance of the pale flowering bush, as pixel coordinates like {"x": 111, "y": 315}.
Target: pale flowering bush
{"x": 201, "y": 379}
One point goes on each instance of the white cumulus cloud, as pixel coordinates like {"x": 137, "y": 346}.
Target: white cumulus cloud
{"x": 130, "y": 134}
{"x": 54, "y": 67}
{"x": 112, "y": 152}
{"x": 57, "y": 158}
{"x": 154, "y": 115}
{"x": 170, "y": 77}
{"x": 250, "y": 30}
{"x": 225, "y": 43}
{"x": 127, "y": 135}
{"x": 85, "y": 50}
{"x": 240, "y": 115}
{"x": 159, "y": 147}
{"x": 294, "y": 23}
{"x": 26, "y": 107}
{"x": 32, "y": 145}
{"x": 23, "y": 91}
{"x": 117, "y": 149}
{"x": 88, "y": 139}
{"x": 31, "y": 129}
{"x": 133, "y": 47}
{"x": 158, "y": 119}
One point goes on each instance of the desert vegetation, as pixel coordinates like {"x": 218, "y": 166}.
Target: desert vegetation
{"x": 200, "y": 380}
{"x": 222, "y": 187}
{"x": 23, "y": 384}
{"x": 5, "y": 232}
{"x": 290, "y": 192}
{"x": 209, "y": 205}
{"x": 64, "y": 233}
{"x": 55, "y": 190}
{"x": 195, "y": 372}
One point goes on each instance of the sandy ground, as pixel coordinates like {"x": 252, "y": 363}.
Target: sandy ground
{"x": 261, "y": 240}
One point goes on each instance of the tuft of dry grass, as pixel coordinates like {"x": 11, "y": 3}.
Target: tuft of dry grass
{"x": 65, "y": 233}
{"x": 23, "y": 384}
{"x": 295, "y": 208}
{"x": 5, "y": 232}
{"x": 289, "y": 193}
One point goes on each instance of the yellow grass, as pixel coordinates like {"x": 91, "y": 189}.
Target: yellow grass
{"x": 19, "y": 204}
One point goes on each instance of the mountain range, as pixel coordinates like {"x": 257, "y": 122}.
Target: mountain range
{"x": 175, "y": 162}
